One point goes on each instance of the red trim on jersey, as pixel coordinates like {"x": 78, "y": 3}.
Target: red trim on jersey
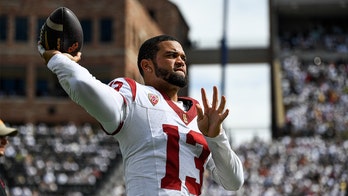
{"x": 187, "y": 116}
{"x": 133, "y": 87}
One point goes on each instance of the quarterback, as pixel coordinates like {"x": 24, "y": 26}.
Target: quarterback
{"x": 167, "y": 141}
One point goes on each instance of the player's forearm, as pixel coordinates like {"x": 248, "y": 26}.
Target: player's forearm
{"x": 228, "y": 169}
{"x": 98, "y": 99}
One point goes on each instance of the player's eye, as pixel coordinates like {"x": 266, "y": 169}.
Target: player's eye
{"x": 183, "y": 57}
{"x": 172, "y": 55}
{"x": 176, "y": 55}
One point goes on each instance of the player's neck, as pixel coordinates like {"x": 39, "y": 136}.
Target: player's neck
{"x": 170, "y": 92}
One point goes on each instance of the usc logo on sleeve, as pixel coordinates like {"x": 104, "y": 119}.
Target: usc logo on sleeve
{"x": 153, "y": 98}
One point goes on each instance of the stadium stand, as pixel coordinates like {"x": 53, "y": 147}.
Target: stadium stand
{"x": 292, "y": 166}
{"x": 315, "y": 92}
{"x": 315, "y": 97}
{"x": 328, "y": 36}
{"x": 59, "y": 160}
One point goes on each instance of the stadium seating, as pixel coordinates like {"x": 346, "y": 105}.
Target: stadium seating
{"x": 59, "y": 160}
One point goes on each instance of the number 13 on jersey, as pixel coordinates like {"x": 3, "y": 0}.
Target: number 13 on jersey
{"x": 171, "y": 179}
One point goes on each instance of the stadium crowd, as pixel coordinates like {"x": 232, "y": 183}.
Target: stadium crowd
{"x": 315, "y": 97}
{"x": 58, "y": 160}
{"x": 291, "y": 166}
{"x": 318, "y": 36}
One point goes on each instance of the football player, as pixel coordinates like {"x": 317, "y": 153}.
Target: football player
{"x": 166, "y": 141}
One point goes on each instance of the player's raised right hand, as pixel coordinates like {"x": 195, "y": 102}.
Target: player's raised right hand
{"x": 48, "y": 54}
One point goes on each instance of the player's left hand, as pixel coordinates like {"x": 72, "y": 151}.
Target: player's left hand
{"x": 210, "y": 121}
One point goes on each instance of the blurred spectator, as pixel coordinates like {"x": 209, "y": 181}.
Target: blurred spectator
{"x": 4, "y": 133}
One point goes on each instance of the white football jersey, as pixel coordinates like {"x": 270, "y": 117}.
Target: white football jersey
{"x": 163, "y": 150}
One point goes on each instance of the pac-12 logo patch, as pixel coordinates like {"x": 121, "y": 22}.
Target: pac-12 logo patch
{"x": 153, "y": 98}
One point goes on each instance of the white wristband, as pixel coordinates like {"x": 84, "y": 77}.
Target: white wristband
{"x": 41, "y": 49}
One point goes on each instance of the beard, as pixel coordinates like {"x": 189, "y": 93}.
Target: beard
{"x": 170, "y": 77}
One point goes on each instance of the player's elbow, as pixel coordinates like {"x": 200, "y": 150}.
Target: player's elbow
{"x": 236, "y": 184}
{"x": 233, "y": 181}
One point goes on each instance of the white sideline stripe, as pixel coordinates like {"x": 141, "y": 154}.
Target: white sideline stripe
{"x": 54, "y": 26}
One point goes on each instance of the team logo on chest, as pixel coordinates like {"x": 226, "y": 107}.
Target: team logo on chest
{"x": 184, "y": 118}
{"x": 153, "y": 98}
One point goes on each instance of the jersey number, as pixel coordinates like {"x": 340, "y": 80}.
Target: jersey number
{"x": 171, "y": 179}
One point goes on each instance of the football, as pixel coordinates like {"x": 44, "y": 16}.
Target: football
{"x": 62, "y": 31}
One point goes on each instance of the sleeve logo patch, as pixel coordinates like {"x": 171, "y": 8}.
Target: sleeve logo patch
{"x": 153, "y": 98}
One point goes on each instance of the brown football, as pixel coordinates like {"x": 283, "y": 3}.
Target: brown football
{"x": 62, "y": 31}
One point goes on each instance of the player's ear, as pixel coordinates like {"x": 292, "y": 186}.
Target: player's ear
{"x": 146, "y": 65}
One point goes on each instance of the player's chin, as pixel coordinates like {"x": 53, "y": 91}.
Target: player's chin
{"x": 178, "y": 80}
